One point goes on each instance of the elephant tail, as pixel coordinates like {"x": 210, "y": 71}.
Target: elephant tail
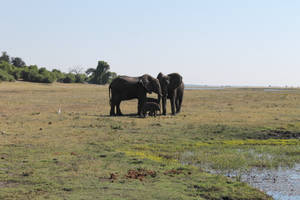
{"x": 109, "y": 91}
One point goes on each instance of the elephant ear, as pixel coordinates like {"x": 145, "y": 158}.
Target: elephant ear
{"x": 175, "y": 80}
{"x": 163, "y": 80}
{"x": 146, "y": 83}
{"x": 159, "y": 76}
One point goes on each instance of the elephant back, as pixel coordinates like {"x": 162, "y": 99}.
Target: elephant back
{"x": 123, "y": 82}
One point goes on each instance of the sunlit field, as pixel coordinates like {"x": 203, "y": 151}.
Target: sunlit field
{"x": 58, "y": 141}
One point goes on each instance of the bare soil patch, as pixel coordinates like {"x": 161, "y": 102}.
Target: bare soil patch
{"x": 140, "y": 174}
{"x": 280, "y": 133}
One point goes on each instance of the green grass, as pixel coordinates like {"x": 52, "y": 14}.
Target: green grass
{"x": 46, "y": 155}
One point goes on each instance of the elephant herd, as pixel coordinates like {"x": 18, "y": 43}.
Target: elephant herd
{"x": 166, "y": 87}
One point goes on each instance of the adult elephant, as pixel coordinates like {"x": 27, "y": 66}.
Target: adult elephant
{"x": 126, "y": 88}
{"x": 172, "y": 88}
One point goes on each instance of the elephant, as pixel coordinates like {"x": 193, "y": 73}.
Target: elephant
{"x": 149, "y": 99}
{"x": 172, "y": 88}
{"x": 150, "y": 107}
{"x": 126, "y": 88}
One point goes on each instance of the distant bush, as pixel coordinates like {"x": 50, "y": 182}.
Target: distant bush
{"x": 14, "y": 68}
{"x": 48, "y": 77}
{"x": 5, "y": 66}
{"x": 42, "y": 75}
{"x": 4, "y": 76}
{"x": 9, "y": 72}
{"x": 17, "y": 73}
{"x": 5, "y": 57}
{"x": 59, "y": 76}
{"x": 27, "y": 73}
{"x": 69, "y": 78}
{"x": 18, "y": 62}
{"x": 80, "y": 78}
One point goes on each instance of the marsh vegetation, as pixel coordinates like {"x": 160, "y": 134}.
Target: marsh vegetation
{"x": 82, "y": 153}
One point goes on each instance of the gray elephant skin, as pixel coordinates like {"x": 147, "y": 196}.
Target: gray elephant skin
{"x": 172, "y": 88}
{"x": 150, "y": 107}
{"x": 149, "y": 99}
{"x": 125, "y": 88}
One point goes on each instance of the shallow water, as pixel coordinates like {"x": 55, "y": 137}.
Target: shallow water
{"x": 188, "y": 87}
{"x": 278, "y": 90}
{"x": 279, "y": 196}
{"x": 204, "y": 88}
{"x": 281, "y": 184}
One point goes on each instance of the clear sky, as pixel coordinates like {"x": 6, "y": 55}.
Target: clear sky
{"x": 213, "y": 42}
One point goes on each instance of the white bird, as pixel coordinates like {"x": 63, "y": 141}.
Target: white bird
{"x": 59, "y": 110}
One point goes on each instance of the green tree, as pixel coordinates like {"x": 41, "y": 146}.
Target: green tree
{"x": 10, "y": 69}
{"x": 46, "y": 76}
{"x": 5, "y": 66}
{"x": 113, "y": 75}
{"x": 58, "y": 75}
{"x": 69, "y": 78}
{"x": 100, "y": 75}
{"x": 18, "y": 62}
{"x": 42, "y": 75}
{"x": 5, "y": 57}
{"x": 4, "y": 76}
{"x": 79, "y": 76}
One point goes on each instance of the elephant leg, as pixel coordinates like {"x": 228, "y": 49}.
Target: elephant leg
{"x": 112, "y": 109}
{"x": 141, "y": 102}
{"x": 119, "y": 113}
{"x": 178, "y": 104}
{"x": 172, "y": 101}
{"x": 139, "y": 108}
{"x": 164, "y": 101}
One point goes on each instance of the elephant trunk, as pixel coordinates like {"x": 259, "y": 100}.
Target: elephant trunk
{"x": 158, "y": 101}
{"x": 158, "y": 91}
{"x": 158, "y": 98}
{"x": 164, "y": 100}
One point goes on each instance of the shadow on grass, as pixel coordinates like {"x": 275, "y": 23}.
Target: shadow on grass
{"x": 131, "y": 115}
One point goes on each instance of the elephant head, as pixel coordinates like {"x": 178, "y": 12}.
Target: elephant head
{"x": 169, "y": 83}
{"x": 151, "y": 84}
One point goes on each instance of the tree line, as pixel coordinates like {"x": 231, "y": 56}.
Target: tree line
{"x": 14, "y": 68}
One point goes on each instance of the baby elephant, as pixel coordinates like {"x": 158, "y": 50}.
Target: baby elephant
{"x": 150, "y": 107}
{"x": 149, "y": 99}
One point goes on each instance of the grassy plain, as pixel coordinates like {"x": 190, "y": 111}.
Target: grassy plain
{"x": 82, "y": 153}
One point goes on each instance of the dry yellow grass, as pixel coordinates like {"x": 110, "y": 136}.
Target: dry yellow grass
{"x": 67, "y": 155}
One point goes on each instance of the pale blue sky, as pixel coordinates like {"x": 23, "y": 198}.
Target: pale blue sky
{"x": 213, "y": 42}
